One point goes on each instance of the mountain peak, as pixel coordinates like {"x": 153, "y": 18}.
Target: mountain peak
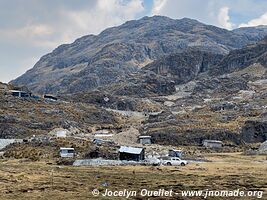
{"x": 113, "y": 55}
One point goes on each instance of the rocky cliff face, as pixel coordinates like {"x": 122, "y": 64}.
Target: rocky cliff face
{"x": 242, "y": 58}
{"x": 192, "y": 64}
{"x": 255, "y": 131}
{"x": 99, "y": 60}
{"x": 185, "y": 66}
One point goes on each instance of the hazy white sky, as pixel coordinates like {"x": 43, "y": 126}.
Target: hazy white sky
{"x": 32, "y": 28}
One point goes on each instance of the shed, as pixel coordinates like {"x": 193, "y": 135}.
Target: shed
{"x": 67, "y": 152}
{"x": 6, "y": 142}
{"x": 144, "y": 139}
{"x": 212, "y": 143}
{"x": 175, "y": 153}
{"x": 131, "y": 153}
{"x": 50, "y": 97}
{"x": 61, "y": 133}
{"x": 101, "y": 141}
{"x": 18, "y": 93}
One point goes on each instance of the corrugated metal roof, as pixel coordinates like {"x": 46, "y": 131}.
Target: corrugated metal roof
{"x": 177, "y": 150}
{"x": 5, "y": 142}
{"x": 144, "y": 137}
{"x": 66, "y": 148}
{"x": 132, "y": 150}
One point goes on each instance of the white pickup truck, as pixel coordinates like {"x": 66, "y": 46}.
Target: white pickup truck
{"x": 173, "y": 161}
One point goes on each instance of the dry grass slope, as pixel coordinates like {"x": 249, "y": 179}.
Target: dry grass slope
{"x": 38, "y": 180}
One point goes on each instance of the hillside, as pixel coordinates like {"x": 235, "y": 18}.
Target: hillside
{"x": 113, "y": 55}
{"x": 124, "y": 78}
{"x": 25, "y": 117}
{"x": 217, "y": 97}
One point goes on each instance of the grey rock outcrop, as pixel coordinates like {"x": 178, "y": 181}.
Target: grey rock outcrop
{"x": 185, "y": 66}
{"x": 242, "y": 58}
{"x": 254, "y": 131}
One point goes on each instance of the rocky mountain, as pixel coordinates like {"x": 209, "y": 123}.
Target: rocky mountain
{"x": 179, "y": 81}
{"x": 217, "y": 97}
{"x": 231, "y": 108}
{"x": 113, "y": 55}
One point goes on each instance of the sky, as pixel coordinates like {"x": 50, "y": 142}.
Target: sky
{"x": 30, "y": 29}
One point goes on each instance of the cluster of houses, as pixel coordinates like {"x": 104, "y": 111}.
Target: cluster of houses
{"x": 125, "y": 153}
{"x": 138, "y": 153}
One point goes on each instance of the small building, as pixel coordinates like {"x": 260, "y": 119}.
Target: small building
{"x": 144, "y": 139}
{"x": 212, "y": 143}
{"x": 175, "y": 153}
{"x": 98, "y": 141}
{"x": 61, "y": 133}
{"x": 50, "y": 97}
{"x": 6, "y": 142}
{"x": 101, "y": 141}
{"x": 131, "y": 153}
{"x": 67, "y": 152}
{"x": 18, "y": 93}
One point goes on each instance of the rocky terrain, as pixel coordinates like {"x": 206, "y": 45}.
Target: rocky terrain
{"x": 230, "y": 107}
{"x": 242, "y": 58}
{"x": 179, "y": 81}
{"x": 113, "y": 55}
{"x": 186, "y": 66}
{"x": 24, "y": 117}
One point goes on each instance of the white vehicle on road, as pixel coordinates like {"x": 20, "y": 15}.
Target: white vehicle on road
{"x": 173, "y": 161}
